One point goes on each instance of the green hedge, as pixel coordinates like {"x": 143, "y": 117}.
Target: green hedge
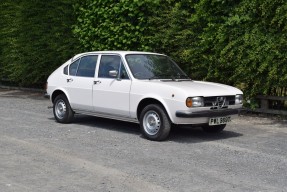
{"x": 36, "y": 39}
{"x": 114, "y": 24}
{"x": 237, "y": 42}
{"x": 241, "y": 43}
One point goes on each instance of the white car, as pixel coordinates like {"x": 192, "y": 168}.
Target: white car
{"x": 141, "y": 87}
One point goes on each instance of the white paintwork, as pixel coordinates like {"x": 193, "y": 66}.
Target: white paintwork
{"x": 111, "y": 96}
{"x": 163, "y": 91}
{"x": 80, "y": 91}
{"x": 119, "y": 99}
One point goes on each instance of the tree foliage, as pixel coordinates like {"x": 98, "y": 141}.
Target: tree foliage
{"x": 237, "y": 42}
{"x": 37, "y": 38}
{"x": 114, "y": 24}
{"x": 9, "y": 22}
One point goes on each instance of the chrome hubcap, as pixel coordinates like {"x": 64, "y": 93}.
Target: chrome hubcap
{"x": 60, "y": 109}
{"x": 151, "y": 122}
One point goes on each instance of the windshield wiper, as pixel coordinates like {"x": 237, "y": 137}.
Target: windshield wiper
{"x": 183, "y": 76}
{"x": 162, "y": 76}
{"x": 172, "y": 77}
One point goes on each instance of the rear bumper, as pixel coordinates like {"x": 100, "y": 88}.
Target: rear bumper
{"x": 46, "y": 95}
{"x": 207, "y": 113}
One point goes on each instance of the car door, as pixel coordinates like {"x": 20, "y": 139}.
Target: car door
{"x": 112, "y": 87}
{"x": 80, "y": 82}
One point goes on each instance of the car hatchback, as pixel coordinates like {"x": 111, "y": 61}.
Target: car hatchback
{"x": 141, "y": 87}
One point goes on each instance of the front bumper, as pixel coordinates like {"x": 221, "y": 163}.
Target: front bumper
{"x": 207, "y": 113}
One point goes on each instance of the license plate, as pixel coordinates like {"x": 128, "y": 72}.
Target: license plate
{"x": 219, "y": 120}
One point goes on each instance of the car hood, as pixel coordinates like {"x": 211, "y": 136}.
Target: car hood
{"x": 200, "y": 88}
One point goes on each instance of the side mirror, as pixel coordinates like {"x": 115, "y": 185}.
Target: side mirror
{"x": 113, "y": 73}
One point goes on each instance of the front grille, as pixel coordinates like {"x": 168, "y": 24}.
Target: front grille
{"x": 219, "y": 101}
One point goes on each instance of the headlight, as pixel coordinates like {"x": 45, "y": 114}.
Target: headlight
{"x": 238, "y": 99}
{"x": 194, "y": 102}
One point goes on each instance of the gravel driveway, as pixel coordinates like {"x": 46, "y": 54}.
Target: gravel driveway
{"x": 94, "y": 154}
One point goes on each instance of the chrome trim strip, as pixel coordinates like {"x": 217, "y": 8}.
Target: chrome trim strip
{"x": 109, "y": 116}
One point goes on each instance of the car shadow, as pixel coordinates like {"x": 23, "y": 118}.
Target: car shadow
{"x": 180, "y": 134}
{"x": 109, "y": 124}
{"x": 188, "y": 134}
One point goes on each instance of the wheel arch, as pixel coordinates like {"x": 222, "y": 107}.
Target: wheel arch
{"x": 56, "y": 93}
{"x": 146, "y": 101}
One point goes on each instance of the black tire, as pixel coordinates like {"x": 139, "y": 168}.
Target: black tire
{"x": 154, "y": 122}
{"x": 62, "y": 110}
{"x": 213, "y": 129}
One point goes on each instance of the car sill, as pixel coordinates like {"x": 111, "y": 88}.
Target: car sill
{"x": 107, "y": 116}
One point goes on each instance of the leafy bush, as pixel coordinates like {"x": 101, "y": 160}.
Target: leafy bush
{"x": 240, "y": 43}
{"x": 237, "y": 42}
{"x": 114, "y": 24}
{"x": 36, "y": 39}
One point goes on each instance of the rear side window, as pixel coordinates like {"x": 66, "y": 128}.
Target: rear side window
{"x": 87, "y": 66}
{"x": 73, "y": 67}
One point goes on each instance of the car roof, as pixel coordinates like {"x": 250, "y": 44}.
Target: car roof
{"x": 123, "y": 53}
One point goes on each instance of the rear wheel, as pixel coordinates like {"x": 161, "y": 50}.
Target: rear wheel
{"x": 213, "y": 129}
{"x": 62, "y": 110}
{"x": 154, "y": 122}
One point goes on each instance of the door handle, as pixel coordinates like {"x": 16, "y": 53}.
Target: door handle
{"x": 97, "y": 82}
{"x": 69, "y": 80}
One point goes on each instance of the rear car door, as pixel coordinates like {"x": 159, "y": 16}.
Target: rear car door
{"x": 80, "y": 82}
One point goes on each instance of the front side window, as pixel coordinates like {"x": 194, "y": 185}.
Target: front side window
{"x": 150, "y": 66}
{"x": 112, "y": 63}
{"x": 87, "y": 66}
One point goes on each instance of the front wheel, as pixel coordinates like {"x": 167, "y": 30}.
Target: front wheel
{"x": 154, "y": 122}
{"x": 213, "y": 129}
{"x": 62, "y": 110}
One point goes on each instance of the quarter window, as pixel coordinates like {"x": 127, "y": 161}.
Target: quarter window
{"x": 66, "y": 70}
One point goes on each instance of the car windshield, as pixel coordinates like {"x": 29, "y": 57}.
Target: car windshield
{"x": 151, "y": 66}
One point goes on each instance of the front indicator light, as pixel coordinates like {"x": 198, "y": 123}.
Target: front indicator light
{"x": 188, "y": 102}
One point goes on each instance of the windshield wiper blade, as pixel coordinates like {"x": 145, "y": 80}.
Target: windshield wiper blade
{"x": 183, "y": 76}
{"x": 160, "y": 76}
{"x": 166, "y": 77}
{"x": 172, "y": 77}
